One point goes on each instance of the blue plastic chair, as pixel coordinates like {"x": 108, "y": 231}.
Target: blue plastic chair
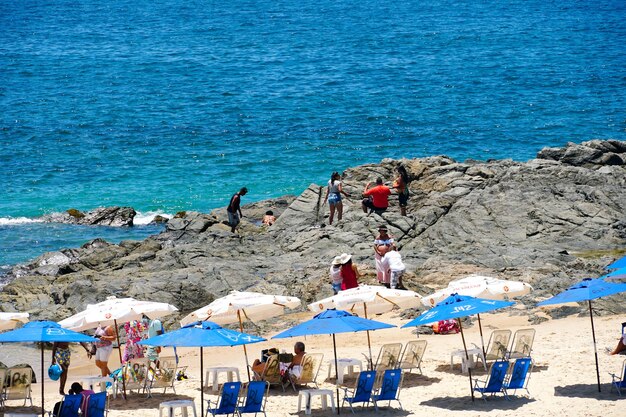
{"x": 390, "y": 388}
{"x": 96, "y": 405}
{"x": 618, "y": 383}
{"x": 256, "y": 396}
{"x": 227, "y": 400}
{"x": 362, "y": 393}
{"x": 70, "y": 405}
{"x": 495, "y": 383}
{"x": 519, "y": 377}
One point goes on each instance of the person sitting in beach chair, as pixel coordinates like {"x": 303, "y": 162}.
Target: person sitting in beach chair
{"x": 620, "y": 349}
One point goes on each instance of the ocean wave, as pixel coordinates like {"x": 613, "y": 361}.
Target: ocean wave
{"x": 7, "y": 221}
{"x": 147, "y": 217}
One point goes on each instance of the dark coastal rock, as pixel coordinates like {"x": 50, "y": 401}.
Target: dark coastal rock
{"x": 550, "y": 222}
{"x": 103, "y": 216}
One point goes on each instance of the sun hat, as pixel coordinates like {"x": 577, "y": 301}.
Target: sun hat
{"x": 336, "y": 260}
{"x": 54, "y": 372}
{"x": 344, "y": 258}
{"x": 382, "y": 227}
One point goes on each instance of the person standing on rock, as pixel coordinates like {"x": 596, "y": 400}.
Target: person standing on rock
{"x": 401, "y": 184}
{"x": 392, "y": 262}
{"x": 376, "y": 198}
{"x": 349, "y": 272}
{"x": 234, "y": 209}
{"x": 333, "y": 195}
{"x": 381, "y": 245}
{"x": 335, "y": 274}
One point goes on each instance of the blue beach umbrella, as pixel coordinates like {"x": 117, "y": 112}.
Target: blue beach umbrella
{"x": 620, "y": 263}
{"x": 43, "y": 331}
{"x": 617, "y": 274}
{"x": 202, "y": 334}
{"x": 455, "y": 307}
{"x": 331, "y": 322}
{"x": 586, "y": 290}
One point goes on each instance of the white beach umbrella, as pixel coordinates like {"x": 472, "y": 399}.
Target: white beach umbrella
{"x": 480, "y": 287}
{"x": 254, "y": 306}
{"x": 8, "y": 321}
{"x": 370, "y": 299}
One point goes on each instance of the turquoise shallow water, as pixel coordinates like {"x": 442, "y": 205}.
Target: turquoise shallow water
{"x": 174, "y": 106}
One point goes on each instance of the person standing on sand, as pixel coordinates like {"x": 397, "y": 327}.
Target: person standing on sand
{"x": 349, "y": 272}
{"x": 61, "y": 355}
{"x": 234, "y": 209}
{"x": 104, "y": 347}
{"x": 333, "y": 195}
{"x": 401, "y": 184}
{"x": 376, "y": 198}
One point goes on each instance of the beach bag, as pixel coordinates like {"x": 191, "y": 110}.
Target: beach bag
{"x": 446, "y": 326}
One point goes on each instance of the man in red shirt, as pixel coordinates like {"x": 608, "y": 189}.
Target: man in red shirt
{"x": 376, "y": 198}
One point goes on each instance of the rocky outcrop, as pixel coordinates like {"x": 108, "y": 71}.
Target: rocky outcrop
{"x": 102, "y": 216}
{"x": 550, "y": 221}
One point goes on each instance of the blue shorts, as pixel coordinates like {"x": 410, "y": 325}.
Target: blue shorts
{"x": 334, "y": 198}
{"x": 336, "y": 287}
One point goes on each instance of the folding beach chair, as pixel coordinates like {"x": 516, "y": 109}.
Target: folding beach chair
{"x": 388, "y": 357}
{"x": 256, "y": 397}
{"x": 271, "y": 372}
{"x": 70, "y": 405}
{"x": 19, "y": 384}
{"x": 522, "y": 344}
{"x": 390, "y": 388}
{"x": 498, "y": 345}
{"x": 164, "y": 376}
{"x": 311, "y": 364}
{"x": 494, "y": 383}
{"x": 619, "y": 384}
{"x": 96, "y": 405}
{"x": 227, "y": 401}
{"x": 412, "y": 355}
{"x": 135, "y": 373}
{"x": 3, "y": 378}
{"x": 362, "y": 392}
{"x": 519, "y": 376}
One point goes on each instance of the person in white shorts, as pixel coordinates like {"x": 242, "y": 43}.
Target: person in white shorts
{"x": 104, "y": 347}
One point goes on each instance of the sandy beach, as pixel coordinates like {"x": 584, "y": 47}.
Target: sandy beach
{"x": 563, "y": 379}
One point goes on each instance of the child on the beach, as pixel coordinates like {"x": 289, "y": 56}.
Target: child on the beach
{"x": 335, "y": 274}
{"x": 392, "y": 262}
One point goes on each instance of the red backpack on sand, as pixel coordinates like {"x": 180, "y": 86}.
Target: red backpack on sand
{"x": 446, "y": 326}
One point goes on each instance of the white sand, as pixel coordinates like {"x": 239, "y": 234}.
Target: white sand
{"x": 563, "y": 381}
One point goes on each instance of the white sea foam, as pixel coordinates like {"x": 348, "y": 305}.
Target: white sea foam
{"x": 5, "y": 221}
{"x": 148, "y": 216}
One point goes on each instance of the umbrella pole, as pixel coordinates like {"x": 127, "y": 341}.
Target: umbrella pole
{"x": 369, "y": 343}
{"x": 482, "y": 340}
{"x": 201, "y": 383}
{"x": 595, "y": 349}
{"x": 43, "y": 411}
{"x": 336, "y": 374}
{"x": 119, "y": 352}
{"x": 469, "y": 369}
{"x": 245, "y": 351}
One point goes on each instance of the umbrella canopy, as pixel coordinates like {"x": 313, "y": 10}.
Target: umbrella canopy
{"x": 620, "y": 263}
{"x": 43, "y": 331}
{"x": 114, "y": 310}
{"x": 586, "y": 290}
{"x": 332, "y": 322}
{"x": 481, "y": 287}
{"x": 253, "y": 306}
{"x": 202, "y": 334}
{"x": 370, "y": 299}
{"x": 455, "y": 307}
{"x": 8, "y": 321}
{"x": 617, "y": 274}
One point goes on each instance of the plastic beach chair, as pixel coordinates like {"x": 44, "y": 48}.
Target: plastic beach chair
{"x": 164, "y": 376}
{"x": 227, "y": 401}
{"x": 135, "y": 373}
{"x": 519, "y": 376}
{"x": 497, "y": 345}
{"x": 412, "y": 355}
{"x": 271, "y": 372}
{"x": 495, "y": 382}
{"x": 96, "y": 405}
{"x": 390, "y": 388}
{"x": 256, "y": 397}
{"x": 311, "y": 364}
{"x": 619, "y": 384}
{"x": 388, "y": 357}
{"x": 522, "y": 344}
{"x": 70, "y": 405}
{"x": 362, "y": 392}
{"x": 19, "y": 385}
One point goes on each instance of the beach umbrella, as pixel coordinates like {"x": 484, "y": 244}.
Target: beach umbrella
{"x": 202, "y": 334}
{"x": 332, "y": 322}
{"x": 8, "y": 321}
{"x": 455, "y": 307}
{"x": 586, "y": 290}
{"x": 253, "y": 306}
{"x": 43, "y": 331}
{"x": 479, "y": 286}
{"x": 114, "y": 310}
{"x": 614, "y": 275}
{"x": 620, "y": 263}
{"x": 370, "y": 299}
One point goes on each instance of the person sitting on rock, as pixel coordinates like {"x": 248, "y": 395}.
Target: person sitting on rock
{"x": 377, "y": 198}
{"x": 269, "y": 218}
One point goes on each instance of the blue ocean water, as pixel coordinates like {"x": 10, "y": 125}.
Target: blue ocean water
{"x": 168, "y": 106}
